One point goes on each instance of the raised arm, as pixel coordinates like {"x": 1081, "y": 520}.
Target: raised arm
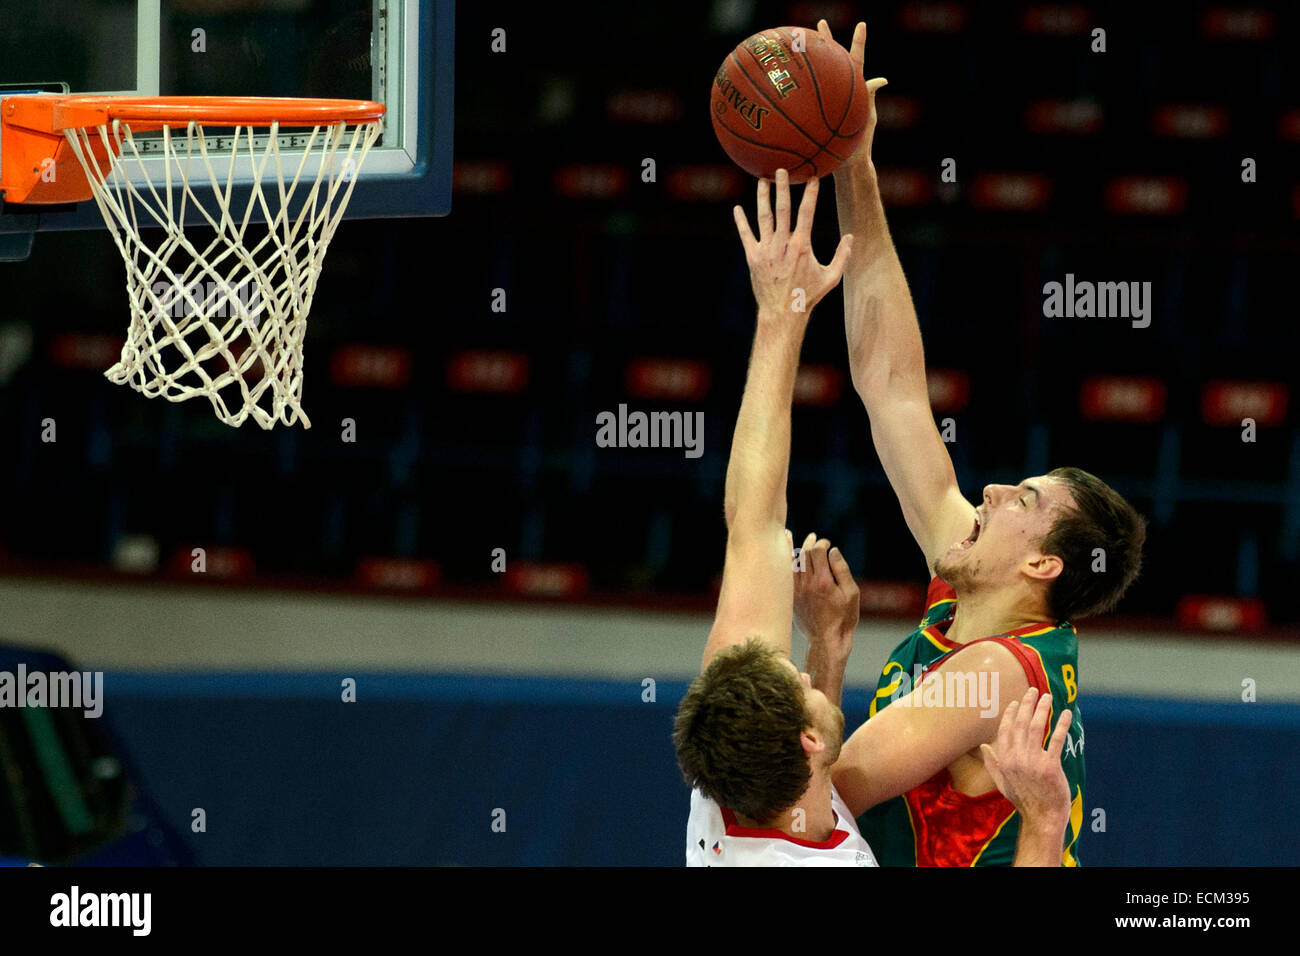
{"x": 885, "y": 353}
{"x": 757, "y": 591}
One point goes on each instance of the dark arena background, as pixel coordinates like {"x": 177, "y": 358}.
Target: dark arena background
{"x": 457, "y": 634}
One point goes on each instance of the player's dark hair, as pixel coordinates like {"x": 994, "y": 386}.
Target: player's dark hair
{"x": 737, "y": 732}
{"x": 1100, "y": 519}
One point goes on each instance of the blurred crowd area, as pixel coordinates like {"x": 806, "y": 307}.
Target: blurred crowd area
{"x": 622, "y": 283}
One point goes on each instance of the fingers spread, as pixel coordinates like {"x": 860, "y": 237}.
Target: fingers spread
{"x": 808, "y": 208}
{"x": 764, "y": 210}
{"x": 1004, "y": 726}
{"x": 746, "y": 235}
{"x": 857, "y": 51}
{"x": 782, "y": 202}
{"x": 835, "y": 270}
{"x": 1057, "y": 743}
{"x": 1024, "y": 715}
{"x": 1038, "y": 726}
{"x": 1009, "y": 730}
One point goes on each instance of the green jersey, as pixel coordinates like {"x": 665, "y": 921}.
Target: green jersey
{"x": 935, "y": 825}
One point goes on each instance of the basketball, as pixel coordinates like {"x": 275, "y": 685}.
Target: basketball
{"x": 789, "y": 98}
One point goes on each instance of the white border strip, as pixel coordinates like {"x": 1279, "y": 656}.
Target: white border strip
{"x": 148, "y": 47}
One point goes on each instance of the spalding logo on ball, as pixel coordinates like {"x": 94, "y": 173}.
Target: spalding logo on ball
{"x": 789, "y": 98}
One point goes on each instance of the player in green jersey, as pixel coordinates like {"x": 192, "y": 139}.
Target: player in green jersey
{"x": 1009, "y": 575}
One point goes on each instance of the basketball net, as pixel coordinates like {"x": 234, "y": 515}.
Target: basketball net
{"x": 224, "y": 320}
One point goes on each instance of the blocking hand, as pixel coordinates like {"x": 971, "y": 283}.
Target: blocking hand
{"x": 786, "y": 276}
{"x": 1028, "y": 775}
{"x": 857, "y": 52}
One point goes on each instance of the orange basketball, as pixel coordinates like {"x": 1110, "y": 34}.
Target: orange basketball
{"x": 789, "y": 98}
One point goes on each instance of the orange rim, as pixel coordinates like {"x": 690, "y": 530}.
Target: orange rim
{"x": 73, "y": 112}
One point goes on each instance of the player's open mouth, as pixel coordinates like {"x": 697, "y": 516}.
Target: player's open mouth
{"x": 974, "y": 535}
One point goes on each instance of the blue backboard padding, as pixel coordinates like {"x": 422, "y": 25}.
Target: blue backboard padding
{"x": 412, "y": 772}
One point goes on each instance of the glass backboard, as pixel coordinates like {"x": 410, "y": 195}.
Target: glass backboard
{"x": 396, "y": 52}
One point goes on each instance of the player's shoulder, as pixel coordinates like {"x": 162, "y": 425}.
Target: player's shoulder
{"x": 997, "y": 651}
{"x": 1040, "y": 649}
{"x": 1013, "y": 655}
{"x": 705, "y": 830}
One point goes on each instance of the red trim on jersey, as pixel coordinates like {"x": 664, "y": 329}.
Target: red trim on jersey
{"x": 939, "y": 590}
{"x": 734, "y": 829}
{"x": 935, "y": 634}
{"x": 1041, "y": 627}
{"x": 1028, "y": 660}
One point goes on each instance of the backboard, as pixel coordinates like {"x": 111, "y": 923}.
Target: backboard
{"x": 396, "y": 52}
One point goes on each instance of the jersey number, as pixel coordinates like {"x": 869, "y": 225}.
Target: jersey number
{"x": 1071, "y": 688}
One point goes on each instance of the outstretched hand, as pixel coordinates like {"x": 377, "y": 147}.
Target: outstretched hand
{"x": 1030, "y": 776}
{"x": 857, "y": 53}
{"x": 786, "y": 276}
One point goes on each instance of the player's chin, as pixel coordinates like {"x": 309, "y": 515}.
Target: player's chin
{"x": 953, "y": 557}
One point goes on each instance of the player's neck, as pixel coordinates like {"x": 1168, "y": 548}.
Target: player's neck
{"x": 816, "y": 822}
{"x": 987, "y": 613}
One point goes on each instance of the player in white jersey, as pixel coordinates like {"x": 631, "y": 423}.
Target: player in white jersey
{"x": 1029, "y": 775}
{"x": 714, "y": 838}
{"x": 754, "y": 737}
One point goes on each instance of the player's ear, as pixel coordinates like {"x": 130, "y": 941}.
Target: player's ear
{"x": 1043, "y": 567}
{"x": 812, "y": 741}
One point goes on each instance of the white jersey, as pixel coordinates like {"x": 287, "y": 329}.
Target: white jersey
{"x": 714, "y": 838}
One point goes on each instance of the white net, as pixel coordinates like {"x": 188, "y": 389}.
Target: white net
{"x": 222, "y": 315}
